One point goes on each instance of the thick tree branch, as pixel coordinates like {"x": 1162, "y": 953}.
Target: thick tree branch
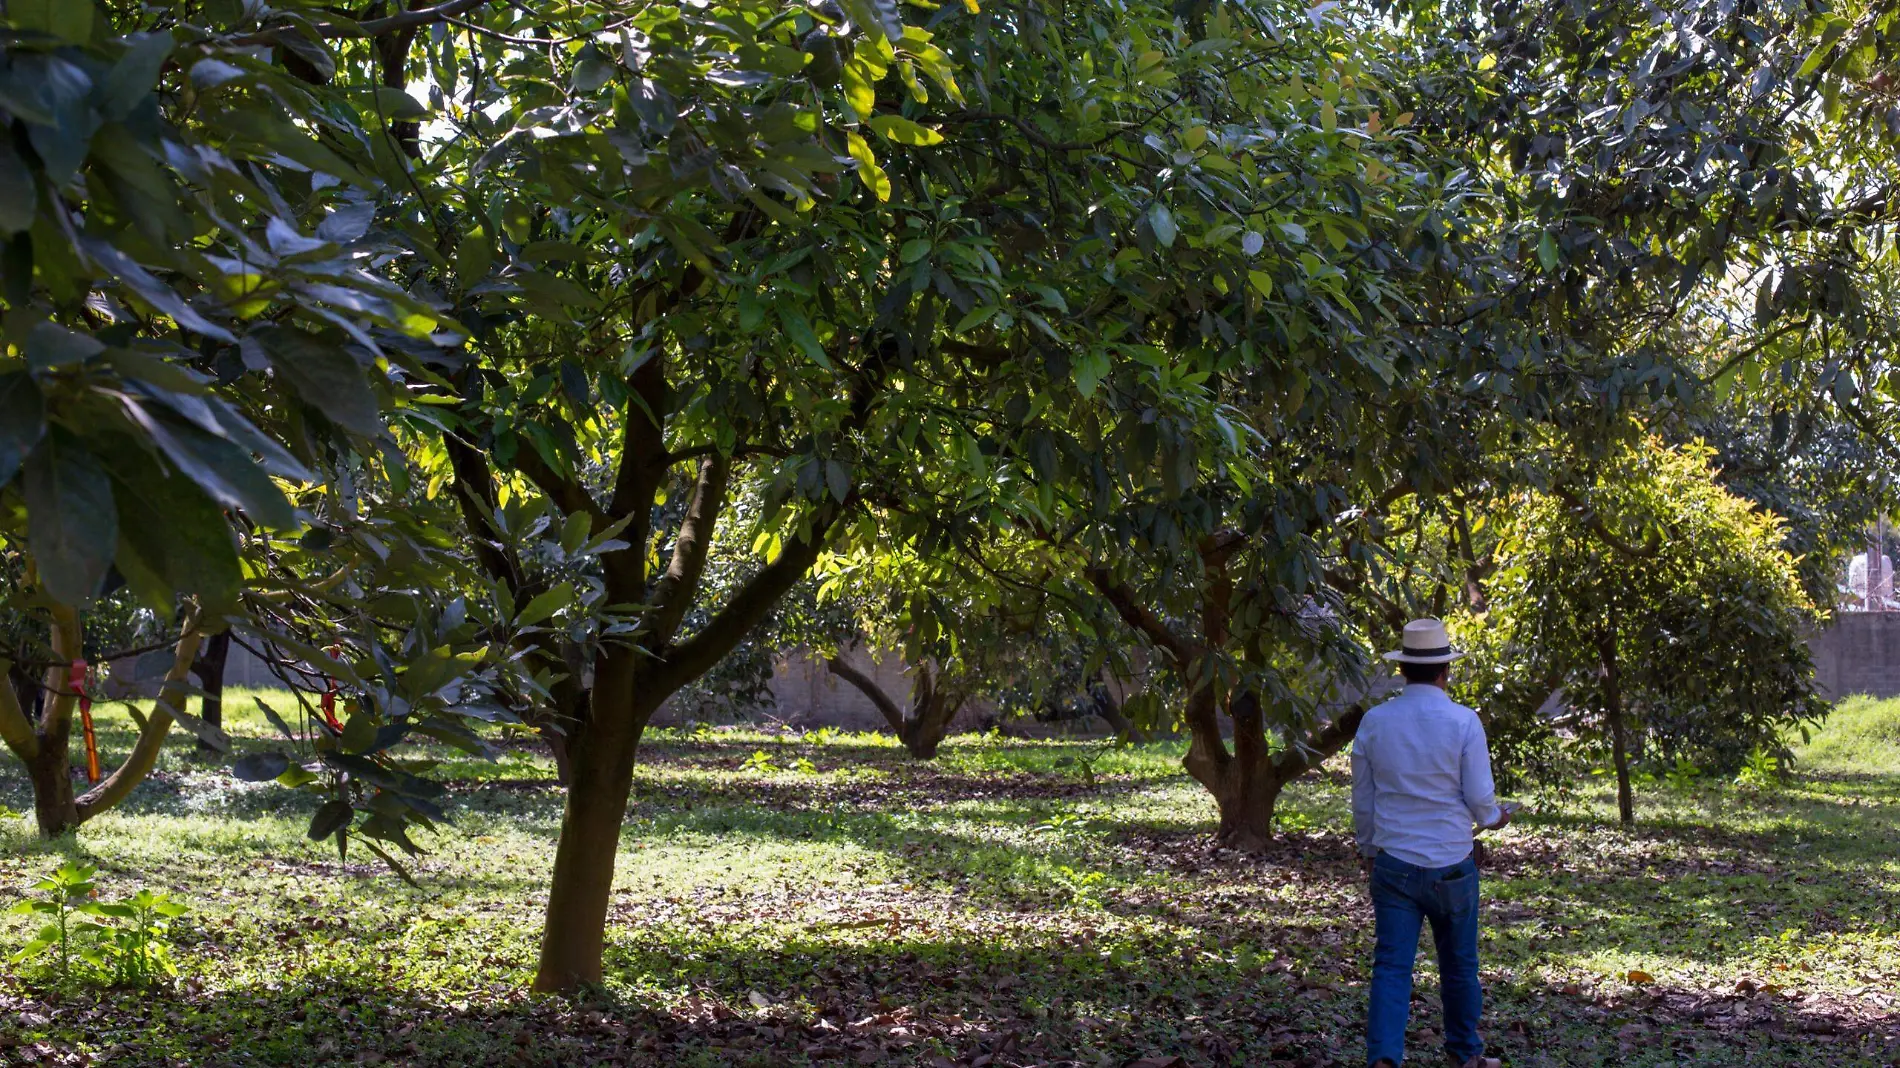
{"x": 1217, "y": 549}
{"x": 696, "y": 655}
{"x": 15, "y": 729}
{"x": 475, "y": 496}
{"x": 138, "y": 764}
{"x": 567, "y": 494}
{"x": 1651, "y": 547}
{"x": 675, "y": 590}
{"x": 893, "y": 715}
{"x": 643, "y": 461}
{"x": 1137, "y": 616}
{"x": 1759, "y": 344}
{"x": 1293, "y": 761}
{"x": 407, "y": 20}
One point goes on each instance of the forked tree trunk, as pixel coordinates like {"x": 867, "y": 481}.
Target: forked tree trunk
{"x": 1247, "y": 784}
{"x": 932, "y": 708}
{"x": 43, "y": 742}
{"x": 210, "y": 671}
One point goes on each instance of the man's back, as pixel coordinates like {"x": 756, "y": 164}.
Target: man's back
{"x": 1421, "y": 778}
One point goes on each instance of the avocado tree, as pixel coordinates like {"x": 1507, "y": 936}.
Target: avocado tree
{"x": 807, "y": 274}
{"x": 195, "y": 346}
{"x": 1664, "y": 607}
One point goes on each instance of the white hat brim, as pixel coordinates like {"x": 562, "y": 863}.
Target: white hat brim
{"x": 1403, "y": 657}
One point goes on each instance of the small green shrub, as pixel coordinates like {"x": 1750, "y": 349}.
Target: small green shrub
{"x": 133, "y": 952}
{"x": 1761, "y": 772}
{"x": 69, "y": 893}
{"x": 129, "y": 952}
{"x": 1683, "y": 776}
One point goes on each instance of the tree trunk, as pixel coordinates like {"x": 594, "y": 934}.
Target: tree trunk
{"x": 922, "y": 729}
{"x": 54, "y": 806}
{"x": 1109, "y": 706}
{"x": 601, "y": 780}
{"x": 563, "y": 761}
{"x": 1619, "y": 745}
{"x": 926, "y": 727}
{"x": 209, "y": 667}
{"x": 1246, "y": 795}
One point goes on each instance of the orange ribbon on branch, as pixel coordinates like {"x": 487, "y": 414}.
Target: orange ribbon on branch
{"x": 77, "y": 680}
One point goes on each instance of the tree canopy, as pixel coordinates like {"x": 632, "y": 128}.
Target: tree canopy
{"x": 530, "y": 356}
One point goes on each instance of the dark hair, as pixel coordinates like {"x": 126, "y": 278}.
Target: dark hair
{"x": 1423, "y": 672}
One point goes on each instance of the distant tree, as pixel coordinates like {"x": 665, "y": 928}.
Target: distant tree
{"x": 1665, "y": 608}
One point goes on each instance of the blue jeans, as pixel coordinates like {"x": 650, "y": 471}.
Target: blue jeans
{"x": 1403, "y": 897}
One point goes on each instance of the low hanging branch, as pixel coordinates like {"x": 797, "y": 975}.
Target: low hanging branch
{"x": 171, "y": 701}
{"x": 932, "y": 707}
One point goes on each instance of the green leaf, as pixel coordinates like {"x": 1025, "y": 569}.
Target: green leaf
{"x": 68, "y": 19}
{"x": 1547, "y": 253}
{"x": 295, "y": 777}
{"x": 869, "y": 172}
{"x": 877, "y": 15}
{"x": 546, "y": 604}
{"x": 473, "y": 256}
{"x": 977, "y": 317}
{"x": 19, "y": 197}
{"x": 22, "y": 421}
{"x": 50, "y": 345}
{"x": 837, "y": 480}
{"x": 903, "y": 131}
{"x": 359, "y": 734}
{"x": 328, "y": 378}
{"x": 151, "y": 290}
{"x": 331, "y": 817}
{"x": 223, "y": 470}
{"x": 1262, "y": 282}
{"x": 134, "y": 76}
{"x": 1090, "y": 369}
{"x": 275, "y": 719}
{"x": 1162, "y": 221}
{"x": 260, "y": 767}
{"x": 800, "y": 329}
{"x": 72, "y": 524}
{"x": 574, "y": 532}
{"x": 859, "y": 88}
{"x": 1815, "y": 58}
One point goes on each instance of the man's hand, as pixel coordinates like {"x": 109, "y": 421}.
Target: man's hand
{"x": 1504, "y": 820}
{"x": 1365, "y": 866}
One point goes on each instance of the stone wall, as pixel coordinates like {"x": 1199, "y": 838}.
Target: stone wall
{"x": 1859, "y": 654}
{"x": 805, "y": 694}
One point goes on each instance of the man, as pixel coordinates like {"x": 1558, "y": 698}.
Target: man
{"x": 1421, "y": 778}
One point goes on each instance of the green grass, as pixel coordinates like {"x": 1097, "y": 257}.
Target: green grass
{"x": 1862, "y": 737}
{"x": 1036, "y": 902}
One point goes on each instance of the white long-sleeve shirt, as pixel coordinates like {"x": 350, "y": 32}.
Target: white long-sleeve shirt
{"x": 1421, "y": 778}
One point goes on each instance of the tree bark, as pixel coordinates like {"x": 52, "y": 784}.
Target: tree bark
{"x": 1619, "y": 746}
{"x": 932, "y": 710}
{"x": 601, "y": 780}
{"x": 1108, "y": 705}
{"x": 51, "y": 774}
{"x": 923, "y": 728}
{"x": 209, "y": 668}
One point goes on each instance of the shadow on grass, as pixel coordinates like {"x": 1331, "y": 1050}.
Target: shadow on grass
{"x": 1061, "y": 1000}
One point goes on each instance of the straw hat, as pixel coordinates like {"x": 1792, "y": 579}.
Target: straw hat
{"x": 1425, "y": 642}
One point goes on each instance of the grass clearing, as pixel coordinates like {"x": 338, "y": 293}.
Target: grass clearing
{"x": 825, "y": 899}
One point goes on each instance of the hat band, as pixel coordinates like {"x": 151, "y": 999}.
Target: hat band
{"x": 1443, "y": 650}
